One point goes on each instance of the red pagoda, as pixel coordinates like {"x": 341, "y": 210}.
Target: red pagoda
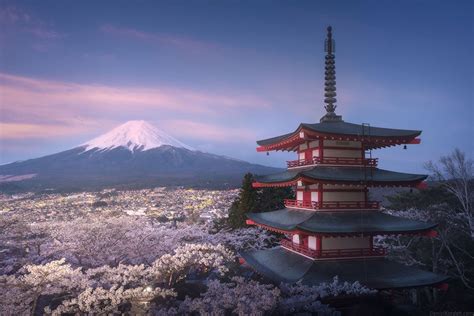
{"x": 330, "y": 226}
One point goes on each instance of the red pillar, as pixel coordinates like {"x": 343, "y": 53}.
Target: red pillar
{"x": 319, "y": 244}
{"x": 320, "y": 195}
{"x": 320, "y": 148}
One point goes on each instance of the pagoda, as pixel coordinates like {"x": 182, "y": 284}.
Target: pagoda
{"x": 329, "y": 228}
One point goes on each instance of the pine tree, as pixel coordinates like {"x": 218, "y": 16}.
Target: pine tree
{"x": 245, "y": 202}
{"x": 255, "y": 200}
{"x": 271, "y": 199}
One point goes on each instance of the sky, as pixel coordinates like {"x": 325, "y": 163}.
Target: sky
{"x": 219, "y": 75}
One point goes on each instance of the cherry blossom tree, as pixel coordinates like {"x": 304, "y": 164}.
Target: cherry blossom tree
{"x": 19, "y": 294}
{"x": 239, "y": 297}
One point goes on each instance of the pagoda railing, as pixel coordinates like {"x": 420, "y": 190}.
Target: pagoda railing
{"x": 369, "y": 162}
{"x": 333, "y": 253}
{"x": 343, "y": 205}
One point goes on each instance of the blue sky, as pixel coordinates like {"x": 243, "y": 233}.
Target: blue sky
{"x": 219, "y": 75}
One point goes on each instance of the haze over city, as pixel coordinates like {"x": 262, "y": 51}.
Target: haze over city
{"x": 219, "y": 76}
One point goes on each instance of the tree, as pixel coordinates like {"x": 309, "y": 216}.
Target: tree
{"x": 19, "y": 295}
{"x": 245, "y": 202}
{"x": 251, "y": 199}
{"x": 456, "y": 173}
{"x": 447, "y": 202}
{"x": 271, "y": 199}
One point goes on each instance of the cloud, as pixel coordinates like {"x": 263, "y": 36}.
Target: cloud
{"x": 11, "y": 15}
{"x": 15, "y": 21}
{"x": 212, "y": 132}
{"x": 180, "y": 42}
{"x": 36, "y": 108}
{"x": 9, "y": 131}
{"x": 44, "y": 33}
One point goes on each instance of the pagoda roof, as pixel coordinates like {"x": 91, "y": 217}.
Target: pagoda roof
{"x": 281, "y": 265}
{"x": 352, "y": 175}
{"x": 338, "y": 222}
{"x": 349, "y": 131}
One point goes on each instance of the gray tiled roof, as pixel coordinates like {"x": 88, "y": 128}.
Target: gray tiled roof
{"x": 348, "y": 174}
{"x": 281, "y": 265}
{"x": 342, "y": 222}
{"x": 344, "y": 128}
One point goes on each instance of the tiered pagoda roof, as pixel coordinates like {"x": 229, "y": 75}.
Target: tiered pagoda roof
{"x": 373, "y": 137}
{"x": 330, "y": 226}
{"x": 338, "y": 222}
{"x": 346, "y": 175}
{"x": 281, "y": 265}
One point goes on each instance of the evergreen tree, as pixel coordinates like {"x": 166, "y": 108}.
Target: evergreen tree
{"x": 271, "y": 199}
{"x": 245, "y": 202}
{"x": 255, "y": 200}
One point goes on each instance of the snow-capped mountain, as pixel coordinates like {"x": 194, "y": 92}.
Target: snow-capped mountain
{"x": 134, "y": 135}
{"x": 133, "y": 155}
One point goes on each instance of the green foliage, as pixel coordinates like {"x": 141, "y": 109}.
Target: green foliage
{"x": 256, "y": 200}
{"x": 246, "y": 201}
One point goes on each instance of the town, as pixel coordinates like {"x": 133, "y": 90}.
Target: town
{"x": 161, "y": 203}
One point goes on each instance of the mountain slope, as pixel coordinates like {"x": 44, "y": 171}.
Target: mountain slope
{"x": 133, "y": 155}
{"x": 134, "y": 135}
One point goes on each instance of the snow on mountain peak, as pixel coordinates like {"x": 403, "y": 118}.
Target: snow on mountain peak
{"x": 134, "y": 135}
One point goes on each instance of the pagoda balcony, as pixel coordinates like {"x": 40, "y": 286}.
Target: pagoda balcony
{"x": 337, "y": 161}
{"x": 346, "y": 205}
{"x": 333, "y": 253}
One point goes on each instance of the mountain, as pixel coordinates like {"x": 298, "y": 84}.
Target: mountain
{"x": 133, "y": 155}
{"x": 136, "y": 136}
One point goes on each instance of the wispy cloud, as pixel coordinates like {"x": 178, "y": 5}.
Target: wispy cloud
{"x": 44, "y": 33}
{"x": 180, "y": 42}
{"x": 15, "y": 21}
{"x": 11, "y": 15}
{"x": 10, "y": 131}
{"x": 42, "y": 108}
{"x": 212, "y": 132}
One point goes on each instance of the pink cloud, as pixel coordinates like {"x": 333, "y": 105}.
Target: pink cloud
{"x": 32, "y": 108}
{"x": 180, "y": 42}
{"x": 10, "y": 131}
{"x": 198, "y": 130}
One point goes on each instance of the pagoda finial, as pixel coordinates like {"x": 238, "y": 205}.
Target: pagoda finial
{"x": 330, "y": 80}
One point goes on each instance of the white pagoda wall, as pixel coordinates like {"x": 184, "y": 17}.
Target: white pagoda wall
{"x": 312, "y": 144}
{"x": 312, "y": 242}
{"x": 338, "y": 143}
{"x": 355, "y": 150}
{"x": 299, "y": 195}
{"x": 345, "y": 242}
{"x": 349, "y": 149}
{"x": 342, "y": 153}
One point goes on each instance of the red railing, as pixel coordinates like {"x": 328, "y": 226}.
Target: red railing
{"x": 369, "y": 162}
{"x": 301, "y": 204}
{"x": 345, "y": 205}
{"x": 334, "y": 253}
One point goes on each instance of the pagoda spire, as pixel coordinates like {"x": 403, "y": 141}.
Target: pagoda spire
{"x": 330, "y": 80}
